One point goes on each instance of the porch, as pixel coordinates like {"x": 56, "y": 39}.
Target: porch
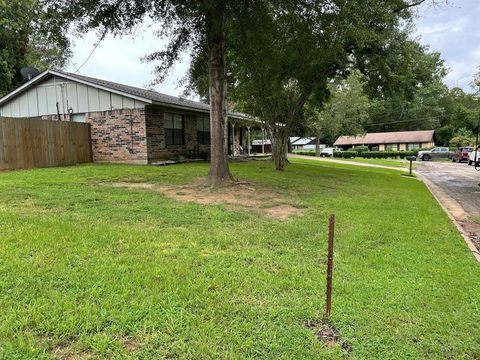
{"x": 243, "y": 136}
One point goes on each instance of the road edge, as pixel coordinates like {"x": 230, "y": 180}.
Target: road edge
{"x": 437, "y": 194}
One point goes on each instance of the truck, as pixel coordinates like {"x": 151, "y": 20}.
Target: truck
{"x": 435, "y": 153}
{"x": 471, "y": 157}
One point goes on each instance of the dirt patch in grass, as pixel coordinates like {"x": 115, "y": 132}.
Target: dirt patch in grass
{"x": 282, "y": 212}
{"x": 266, "y": 202}
{"x": 67, "y": 351}
{"x": 328, "y": 334}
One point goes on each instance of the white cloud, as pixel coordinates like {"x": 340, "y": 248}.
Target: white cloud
{"x": 453, "y": 30}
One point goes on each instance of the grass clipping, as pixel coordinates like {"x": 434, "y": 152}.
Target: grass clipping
{"x": 266, "y": 202}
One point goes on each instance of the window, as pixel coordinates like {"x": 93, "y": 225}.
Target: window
{"x": 413, "y": 146}
{"x": 203, "y": 130}
{"x": 174, "y": 129}
{"x": 392, "y": 147}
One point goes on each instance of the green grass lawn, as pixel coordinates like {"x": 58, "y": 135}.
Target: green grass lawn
{"x": 94, "y": 271}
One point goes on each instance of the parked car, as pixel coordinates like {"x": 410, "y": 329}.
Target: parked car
{"x": 435, "y": 153}
{"x": 471, "y": 157}
{"x": 462, "y": 154}
{"x": 327, "y": 152}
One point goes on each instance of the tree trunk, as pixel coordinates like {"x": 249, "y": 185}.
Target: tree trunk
{"x": 219, "y": 170}
{"x": 279, "y": 147}
{"x": 317, "y": 146}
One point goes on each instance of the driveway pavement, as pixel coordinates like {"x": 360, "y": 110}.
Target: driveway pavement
{"x": 459, "y": 181}
{"x": 456, "y": 188}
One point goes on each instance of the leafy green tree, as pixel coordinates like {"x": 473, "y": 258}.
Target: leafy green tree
{"x": 302, "y": 46}
{"x": 202, "y": 27}
{"x": 463, "y": 137}
{"x": 24, "y": 41}
{"x": 345, "y": 113}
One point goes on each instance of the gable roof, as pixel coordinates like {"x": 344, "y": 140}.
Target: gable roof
{"x": 399, "y": 137}
{"x": 304, "y": 141}
{"x": 147, "y": 96}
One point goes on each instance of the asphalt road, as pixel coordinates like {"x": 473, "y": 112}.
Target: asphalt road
{"x": 459, "y": 181}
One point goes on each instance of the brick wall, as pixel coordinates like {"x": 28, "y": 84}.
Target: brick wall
{"x": 118, "y": 135}
{"x": 155, "y": 130}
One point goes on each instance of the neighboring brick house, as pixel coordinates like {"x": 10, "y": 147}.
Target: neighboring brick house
{"x": 128, "y": 124}
{"x": 399, "y": 140}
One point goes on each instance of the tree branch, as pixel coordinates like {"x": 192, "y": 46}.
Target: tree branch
{"x": 408, "y": 6}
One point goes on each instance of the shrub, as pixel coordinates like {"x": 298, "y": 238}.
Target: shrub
{"x": 304, "y": 152}
{"x": 345, "y": 154}
{"x": 459, "y": 141}
{"x": 360, "y": 149}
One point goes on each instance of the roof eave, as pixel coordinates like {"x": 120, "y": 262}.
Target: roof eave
{"x": 109, "y": 89}
{"x": 41, "y": 76}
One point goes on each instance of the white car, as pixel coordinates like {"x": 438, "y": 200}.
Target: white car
{"x": 471, "y": 157}
{"x": 327, "y": 152}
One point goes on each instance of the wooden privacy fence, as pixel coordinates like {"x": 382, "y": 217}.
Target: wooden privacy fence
{"x": 28, "y": 143}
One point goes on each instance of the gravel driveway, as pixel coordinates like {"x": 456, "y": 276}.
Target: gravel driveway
{"x": 459, "y": 181}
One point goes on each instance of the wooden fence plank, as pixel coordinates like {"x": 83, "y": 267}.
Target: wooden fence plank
{"x": 28, "y": 143}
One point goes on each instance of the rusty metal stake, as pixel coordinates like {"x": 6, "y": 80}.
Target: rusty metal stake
{"x": 331, "y": 228}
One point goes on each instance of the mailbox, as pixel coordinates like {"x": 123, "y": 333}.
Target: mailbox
{"x": 411, "y": 158}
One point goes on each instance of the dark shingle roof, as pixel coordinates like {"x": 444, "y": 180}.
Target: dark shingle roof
{"x": 143, "y": 93}
{"x": 148, "y": 94}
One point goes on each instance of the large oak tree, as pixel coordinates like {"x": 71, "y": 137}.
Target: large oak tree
{"x": 198, "y": 26}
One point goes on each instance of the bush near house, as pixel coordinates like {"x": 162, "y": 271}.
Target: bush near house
{"x": 349, "y": 154}
{"x": 375, "y": 154}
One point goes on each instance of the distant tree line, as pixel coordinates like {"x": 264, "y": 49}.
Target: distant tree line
{"x": 452, "y": 113}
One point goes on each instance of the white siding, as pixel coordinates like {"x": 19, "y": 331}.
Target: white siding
{"x": 32, "y": 102}
{"x": 117, "y": 101}
{"x": 72, "y": 96}
{"x": 51, "y": 99}
{"x": 93, "y": 101}
{"x": 82, "y": 99}
{"x": 128, "y": 103}
{"x": 104, "y": 97}
{"x": 42, "y": 103}
{"x": 41, "y": 99}
{"x": 16, "y": 107}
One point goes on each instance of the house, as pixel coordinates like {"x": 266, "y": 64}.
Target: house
{"x": 400, "y": 140}
{"x": 262, "y": 146}
{"x": 305, "y": 143}
{"x": 128, "y": 124}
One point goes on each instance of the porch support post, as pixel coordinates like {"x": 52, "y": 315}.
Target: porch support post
{"x": 233, "y": 139}
{"x": 248, "y": 140}
{"x": 263, "y": 141}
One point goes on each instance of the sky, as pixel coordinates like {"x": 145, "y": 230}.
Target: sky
{"x": 452, "y": 29}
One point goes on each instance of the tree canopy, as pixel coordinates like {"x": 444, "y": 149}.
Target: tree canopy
{"x": 25, "y": 41}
